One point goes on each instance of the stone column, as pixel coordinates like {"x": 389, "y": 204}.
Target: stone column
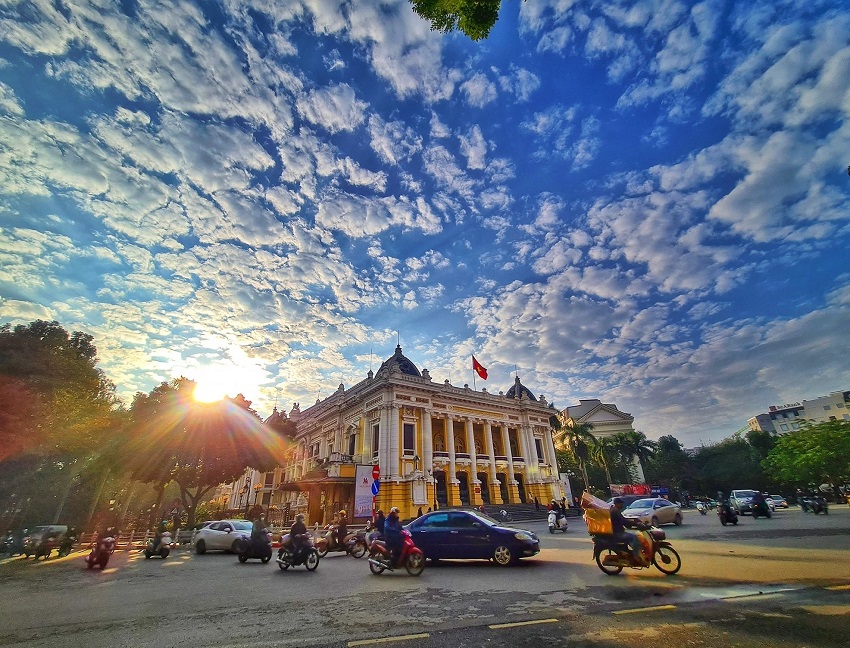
{"x": 495, "y": 491}
{"x": 393, "y": 462}
{"x": 513, "y": 493}
{"x": 474, "y": 498}
{"x": 427, "y": 464}
{"x": 452, "y": 491}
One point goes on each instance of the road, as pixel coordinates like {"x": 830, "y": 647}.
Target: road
{"x": 770, "y": 583}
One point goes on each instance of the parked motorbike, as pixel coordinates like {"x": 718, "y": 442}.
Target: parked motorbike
{"x": 13, "y": 544}
{"x": 353, "y": 543}
{"x": 557, "y": 522}
{"x": 100, "y": 552}
{"x": 727, "y": 514}
{"x": 702, "y": 508}
{"x": 162, "y": 550}
{"x": 290, "y": 555}
{"x": 612, "y": 555}
{"x": 257, "y": 546}
{"x": 411, "y": 557}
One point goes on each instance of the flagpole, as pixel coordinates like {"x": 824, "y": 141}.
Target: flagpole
{"x": 473, "y": 372}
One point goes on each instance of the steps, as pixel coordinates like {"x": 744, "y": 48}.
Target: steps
{"x": 525, "y": 512}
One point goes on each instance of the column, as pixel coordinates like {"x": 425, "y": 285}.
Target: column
{"x": 474, "y": 498}
{"x": 394, "y": 444}
{"x": 513, "y": 493}
{"x": 495, "y": 492}
{"x": 452, "y": 491}
{"x": 427, "y": 463}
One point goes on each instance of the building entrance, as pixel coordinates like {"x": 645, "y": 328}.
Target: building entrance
{"x": 463, "y": 478}
{"x": 442, "y": 492}
{"x": 503, "y": 487}
{"x": 520, "y": 487}
{"x": 485, "y": 488}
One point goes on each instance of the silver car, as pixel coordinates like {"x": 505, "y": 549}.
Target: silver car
{"x": 223, "y": 534}
{"x": 655, "y": 511}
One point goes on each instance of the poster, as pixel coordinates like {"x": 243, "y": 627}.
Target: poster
{"x": 363, "y": 491}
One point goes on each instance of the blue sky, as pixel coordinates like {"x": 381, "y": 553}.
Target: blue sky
{"x": 645, "y": 202}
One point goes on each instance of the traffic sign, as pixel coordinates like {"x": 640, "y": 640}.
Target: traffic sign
{"x": 376, "y": 473}
{"x": 376, "y": 486}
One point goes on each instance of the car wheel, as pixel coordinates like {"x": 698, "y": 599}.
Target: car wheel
{"x": 234, "y": 548}
{"x": 654, "y": 521}
{"x": 502, "y": 556}
{"x": 312, "y": 560}
{"x": 678, "y": 520}
{"x": 200, "y": 547}
{"x": 265, "y": 559}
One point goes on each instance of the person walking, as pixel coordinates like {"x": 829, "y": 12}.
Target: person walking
{"x": 536, "y": 504}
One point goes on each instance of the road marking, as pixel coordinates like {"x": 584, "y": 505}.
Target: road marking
{"x": 369, "y": 642}
{"x": 498, "y": 626}
{"x": 645, "y": 609}
{"x": 838, "y": 588}
{"x": 751, "y": 597}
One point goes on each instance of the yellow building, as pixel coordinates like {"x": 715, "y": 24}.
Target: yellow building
{"x": 435, "y": 445}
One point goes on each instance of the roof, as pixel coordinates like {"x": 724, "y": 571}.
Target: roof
{"x": 520, "y": 391}
{"x": 398, "y": 362}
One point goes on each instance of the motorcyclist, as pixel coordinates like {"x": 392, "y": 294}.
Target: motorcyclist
{"x": 68, "y": 540}
{"x": 341, "y": 528}
{"x": 161, "y": 529}
{"x": 297, "y": 533}
{"x": 378, "y": 526}
{"x": 259, "y": 533}
{"x": 618, "y": 525}
{"x": 392, "y": 534}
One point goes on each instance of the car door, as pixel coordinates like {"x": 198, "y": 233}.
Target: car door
{"x": 218, "y": 538}
{"x": 430, "y": 533}
{"x": 467, "y": 536}
{"x": 664, "y": 511}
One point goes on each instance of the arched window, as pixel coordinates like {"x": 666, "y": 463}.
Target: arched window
{"x": 478, "y": 449}
{"x": 439, "y": 443}
{"x": 460, "y": 444}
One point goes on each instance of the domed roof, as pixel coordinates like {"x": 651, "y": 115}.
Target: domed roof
{"x": 518, "y": 390}
{"x": 398, "y": 362}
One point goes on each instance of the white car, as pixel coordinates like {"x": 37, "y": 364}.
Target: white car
{"x": 223, "y": 534}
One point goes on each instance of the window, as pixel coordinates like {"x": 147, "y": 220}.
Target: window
{"x": 538, "y": 443}
{"x": 795, "y": 426}
{"x": 439, "y": 443}
{"x": 352, "y": 444}
{"x": 847, "y": 417}
{"x": 839, "y": 405}
{"x": 783, "y": 427}
{"x": 826, "y": 407}
{"x": 408, "y": 438}
{"x": 376, "y": 437}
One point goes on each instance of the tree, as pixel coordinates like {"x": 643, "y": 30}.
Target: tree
{"x": 636, "y": 444}
{"x": 817, "y": 453}
{"x": 604, "y": 450}
{"x": 475, "y": 18}
{"x": 670, "y": 465}
{"x": 198, "y": 446}
{"x": 576, "y": 439}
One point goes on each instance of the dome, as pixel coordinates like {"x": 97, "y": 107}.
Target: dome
{"x": 398, "y": 362}
{"x": 520, "y": 391}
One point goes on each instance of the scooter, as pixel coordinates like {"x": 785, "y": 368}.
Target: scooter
{"x": 411, "y": 557}
{"x": 702, "y": 508}
{"x": 353, "y": 544}
{"x": 727, "y": 514}
{"x": 100, "y": 552}
{"x": 162, "y": 550}
{"x": 66, "y": 545}
{"x": 557, "y": 522}
{"x": 306, "y": 554}
{"x": 814, "y": 505}
{"x": 259, "y": 547}
{"x": 612, "y": 555}
{"x": 761, "y": 509}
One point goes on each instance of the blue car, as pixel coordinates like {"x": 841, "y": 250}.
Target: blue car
{"x": 470, "y": 535}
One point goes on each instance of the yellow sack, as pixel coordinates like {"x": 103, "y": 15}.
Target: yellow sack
{"x": 598, "y": 521}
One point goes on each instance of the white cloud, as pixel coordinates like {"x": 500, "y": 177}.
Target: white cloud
{"x": 479, "y": 90}
{"x": 335, "y": 109}
{"x": 473, "y": 146}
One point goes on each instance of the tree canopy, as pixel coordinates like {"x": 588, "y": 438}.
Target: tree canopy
{"x": 817, "y": 453}
{"x": 197, "y": 445}
{"x": 475, "y": 18}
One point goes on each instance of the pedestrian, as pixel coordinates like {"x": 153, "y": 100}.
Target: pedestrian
{"x": 419, "y": 512}
{"x": 564, "y": 506}
{"x": 536, "y": 504}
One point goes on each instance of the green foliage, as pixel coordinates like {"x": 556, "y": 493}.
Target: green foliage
{"x": 475, "y": 18}
{"x": 817, "y": 453}
{"x": 670, "y": 465}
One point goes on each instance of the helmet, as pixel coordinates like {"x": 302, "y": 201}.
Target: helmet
{"x": 300, "y": 517}
{"x": 394, "y": 509}
{"x": 342, "y": 512}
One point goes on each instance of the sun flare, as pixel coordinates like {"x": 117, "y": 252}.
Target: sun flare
{"x": 209, "y": 391}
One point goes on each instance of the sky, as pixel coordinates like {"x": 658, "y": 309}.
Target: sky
{"x": 645, "y": 201}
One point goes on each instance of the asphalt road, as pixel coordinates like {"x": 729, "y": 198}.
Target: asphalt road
{"x": 765, "y": 583}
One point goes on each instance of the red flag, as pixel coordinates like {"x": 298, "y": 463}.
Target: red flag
{"x": 480, "y": 370}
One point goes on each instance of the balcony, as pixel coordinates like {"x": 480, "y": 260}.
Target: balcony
{"x": 340, "y": 458}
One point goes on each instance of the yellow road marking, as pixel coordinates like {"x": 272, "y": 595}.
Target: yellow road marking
{"x": 751, "y": 597}
{"x": 497, "y": 626}
{"x": 654, "y": 608}
{"x": 838, "y": 588}
{"x": 369, "y": 642}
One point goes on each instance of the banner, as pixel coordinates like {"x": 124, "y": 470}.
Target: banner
{"x": 363, "y": 491}
{"x": 629, "y": 489}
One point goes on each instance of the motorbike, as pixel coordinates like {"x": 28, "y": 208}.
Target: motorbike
{"x": 727, "y": 514}
{"x": 100, "y": 552}
{"x": 612, "y": 555}
{"x": 760, "y": 509}
{"x": 354, "y": 543}
{"x": 13, "y": 544}
{"x": 814, "y": 505}
{"x": 259, "y": 547}
{"x": 702, "y": 508}
{"x": 162, "y": 550}
{"x": 66, "y": 545}
{"x": 557, "y": 522}
{"x": 411, "y": 557}
{"x": 305, "y": 553}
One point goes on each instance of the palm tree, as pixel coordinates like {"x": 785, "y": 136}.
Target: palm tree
{"x": 605, "y": 448}
{"x": 636, "y": 444}
{"x": 576, "y": 439}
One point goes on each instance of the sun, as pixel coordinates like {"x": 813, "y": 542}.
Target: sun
{"x": 209, "y": 391}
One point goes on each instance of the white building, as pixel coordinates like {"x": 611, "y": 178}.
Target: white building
{"x": 786, "y": 418}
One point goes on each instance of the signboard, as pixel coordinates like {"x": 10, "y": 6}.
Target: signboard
{"x": 363, "y": 481}
{"x": 376, "y": 486}
{"x": 376, "y": 472}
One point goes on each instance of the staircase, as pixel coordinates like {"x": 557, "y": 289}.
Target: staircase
{"x": 525, "y": 512}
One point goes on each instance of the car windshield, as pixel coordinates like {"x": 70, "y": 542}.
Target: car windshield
{"x": 777, "y": 498}
{"x": 641, "y": 504}
{"x": 745, "y": 493}
{"x": 243, "y": 526}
